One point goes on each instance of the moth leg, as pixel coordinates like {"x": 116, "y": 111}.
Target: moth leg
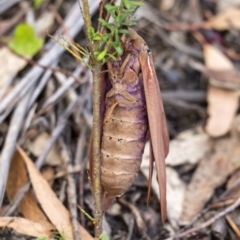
{"x": 111, "y": 93}
{"x": 124, "y": 93}
{"x": 116, "y": 75}
{"x": 125, "y": 62}
{"x": 131, "y": 99}
{"x": 109, "y": 112}
{"x": 128, "y": 101}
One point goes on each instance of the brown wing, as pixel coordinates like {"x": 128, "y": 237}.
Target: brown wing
{"x": 157, "y": 122}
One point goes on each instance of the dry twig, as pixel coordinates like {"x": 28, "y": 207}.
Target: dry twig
{"x": 209, "y": 222}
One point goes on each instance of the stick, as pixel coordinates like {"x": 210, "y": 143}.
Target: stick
{"x": 209, "y": 222}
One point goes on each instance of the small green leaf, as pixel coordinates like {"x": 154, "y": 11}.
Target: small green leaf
{"x": 105, "y": 23}
{"x": 116, "y": 37}
{"x": 105, "y": 237}
{"x": 96, "y": 53}
{"x": 134, "y": 3}
{"x": 111, "y": 7}
{"x": 91, "y": 31}
{"x": 117, "y": 48}
{"x": 111, "y": 56}
{"x": 129, "y": 23}
{"x": 97, "y": 37}
{"x": 123, "y": 31}
{"x": 25, "y": 42}
{"x": 113, "y": 14}
{"x": 126, "y": 4}
{"x": 106, "y": 37}
{"x": 123, "y": 17}
{"x": 101, "y": 55}
{"x": 129, "y": 11}
{"x": 37, "y": 3}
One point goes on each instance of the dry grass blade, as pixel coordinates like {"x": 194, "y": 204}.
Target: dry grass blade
{"x": 233, "y": 225}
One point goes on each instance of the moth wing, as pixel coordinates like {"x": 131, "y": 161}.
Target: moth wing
{"x": 157, "y": 123}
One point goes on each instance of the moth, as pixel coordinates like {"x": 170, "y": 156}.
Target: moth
{"x": 132, "y": 112}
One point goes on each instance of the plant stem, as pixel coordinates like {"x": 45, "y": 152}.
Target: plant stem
{"x": 96, "y": 181}
{"x": 87, "y": 22}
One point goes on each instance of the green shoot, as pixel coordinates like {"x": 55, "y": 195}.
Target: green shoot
{"x": 107, "y": 41}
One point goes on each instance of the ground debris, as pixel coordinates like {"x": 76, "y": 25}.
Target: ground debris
{"x": 46, "y": 101}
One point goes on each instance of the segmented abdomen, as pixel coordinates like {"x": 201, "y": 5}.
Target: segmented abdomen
{"x": 123, "y": 141}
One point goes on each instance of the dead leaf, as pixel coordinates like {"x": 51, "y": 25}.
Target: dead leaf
{"x": 51, "y": 205}
{"x": 228, "y": 19}
{"x": 166, "y": 5}
{"x": 27, "y": 207}
{"x": 44, "y": 23}
{"x": 48, "y": 174}
{"x": 223, "y": 4}
{"x": 222, "y": 103}
{"x": 222, "y": 107}
{"x": 211, "y": 172}
{"x": 235, "y": 177}
{"x": 10, "y": 65}
{"x": 37, "y": 146}
{"x": 175, "y": 196}
{"x": 227, "y": 79}
{"x": 220, "y": 69}
{"x": 188, "y": 147}
{"x": 175, "y": 188}
{"x": 215, "y": 59}
{"x": 25, "y": 226}
{"x": 233, "y": 187}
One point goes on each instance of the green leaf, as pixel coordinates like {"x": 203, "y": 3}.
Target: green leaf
{"x": 37, "y": 3}
{"x": 25, "y": 42}
{"x": 129, "y": 11}
{"x": 106, "y": 37}
{"x": 96, "y": 53}
{"x": 123, "y": 17}
{"x": 105, "y": 237}
{"x": 118, "y": 49}
{"x": 101, "y": 55}
{"x": 97, "y": 37}
{"x": 126, "y": 4}
{"x": 116, "y": 37}
{"x": 106, "y": 24}
{"x": 110, "y": 7}
{"x": 134, "y": 3}
{"x": 91, "y": 31}
{"x": 111, "y": 56}
{"x": 123, "y": 31}
{"x": 129, "y": 23}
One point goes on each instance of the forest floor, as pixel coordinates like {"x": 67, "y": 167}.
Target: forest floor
{"x": 46, "y": 110}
